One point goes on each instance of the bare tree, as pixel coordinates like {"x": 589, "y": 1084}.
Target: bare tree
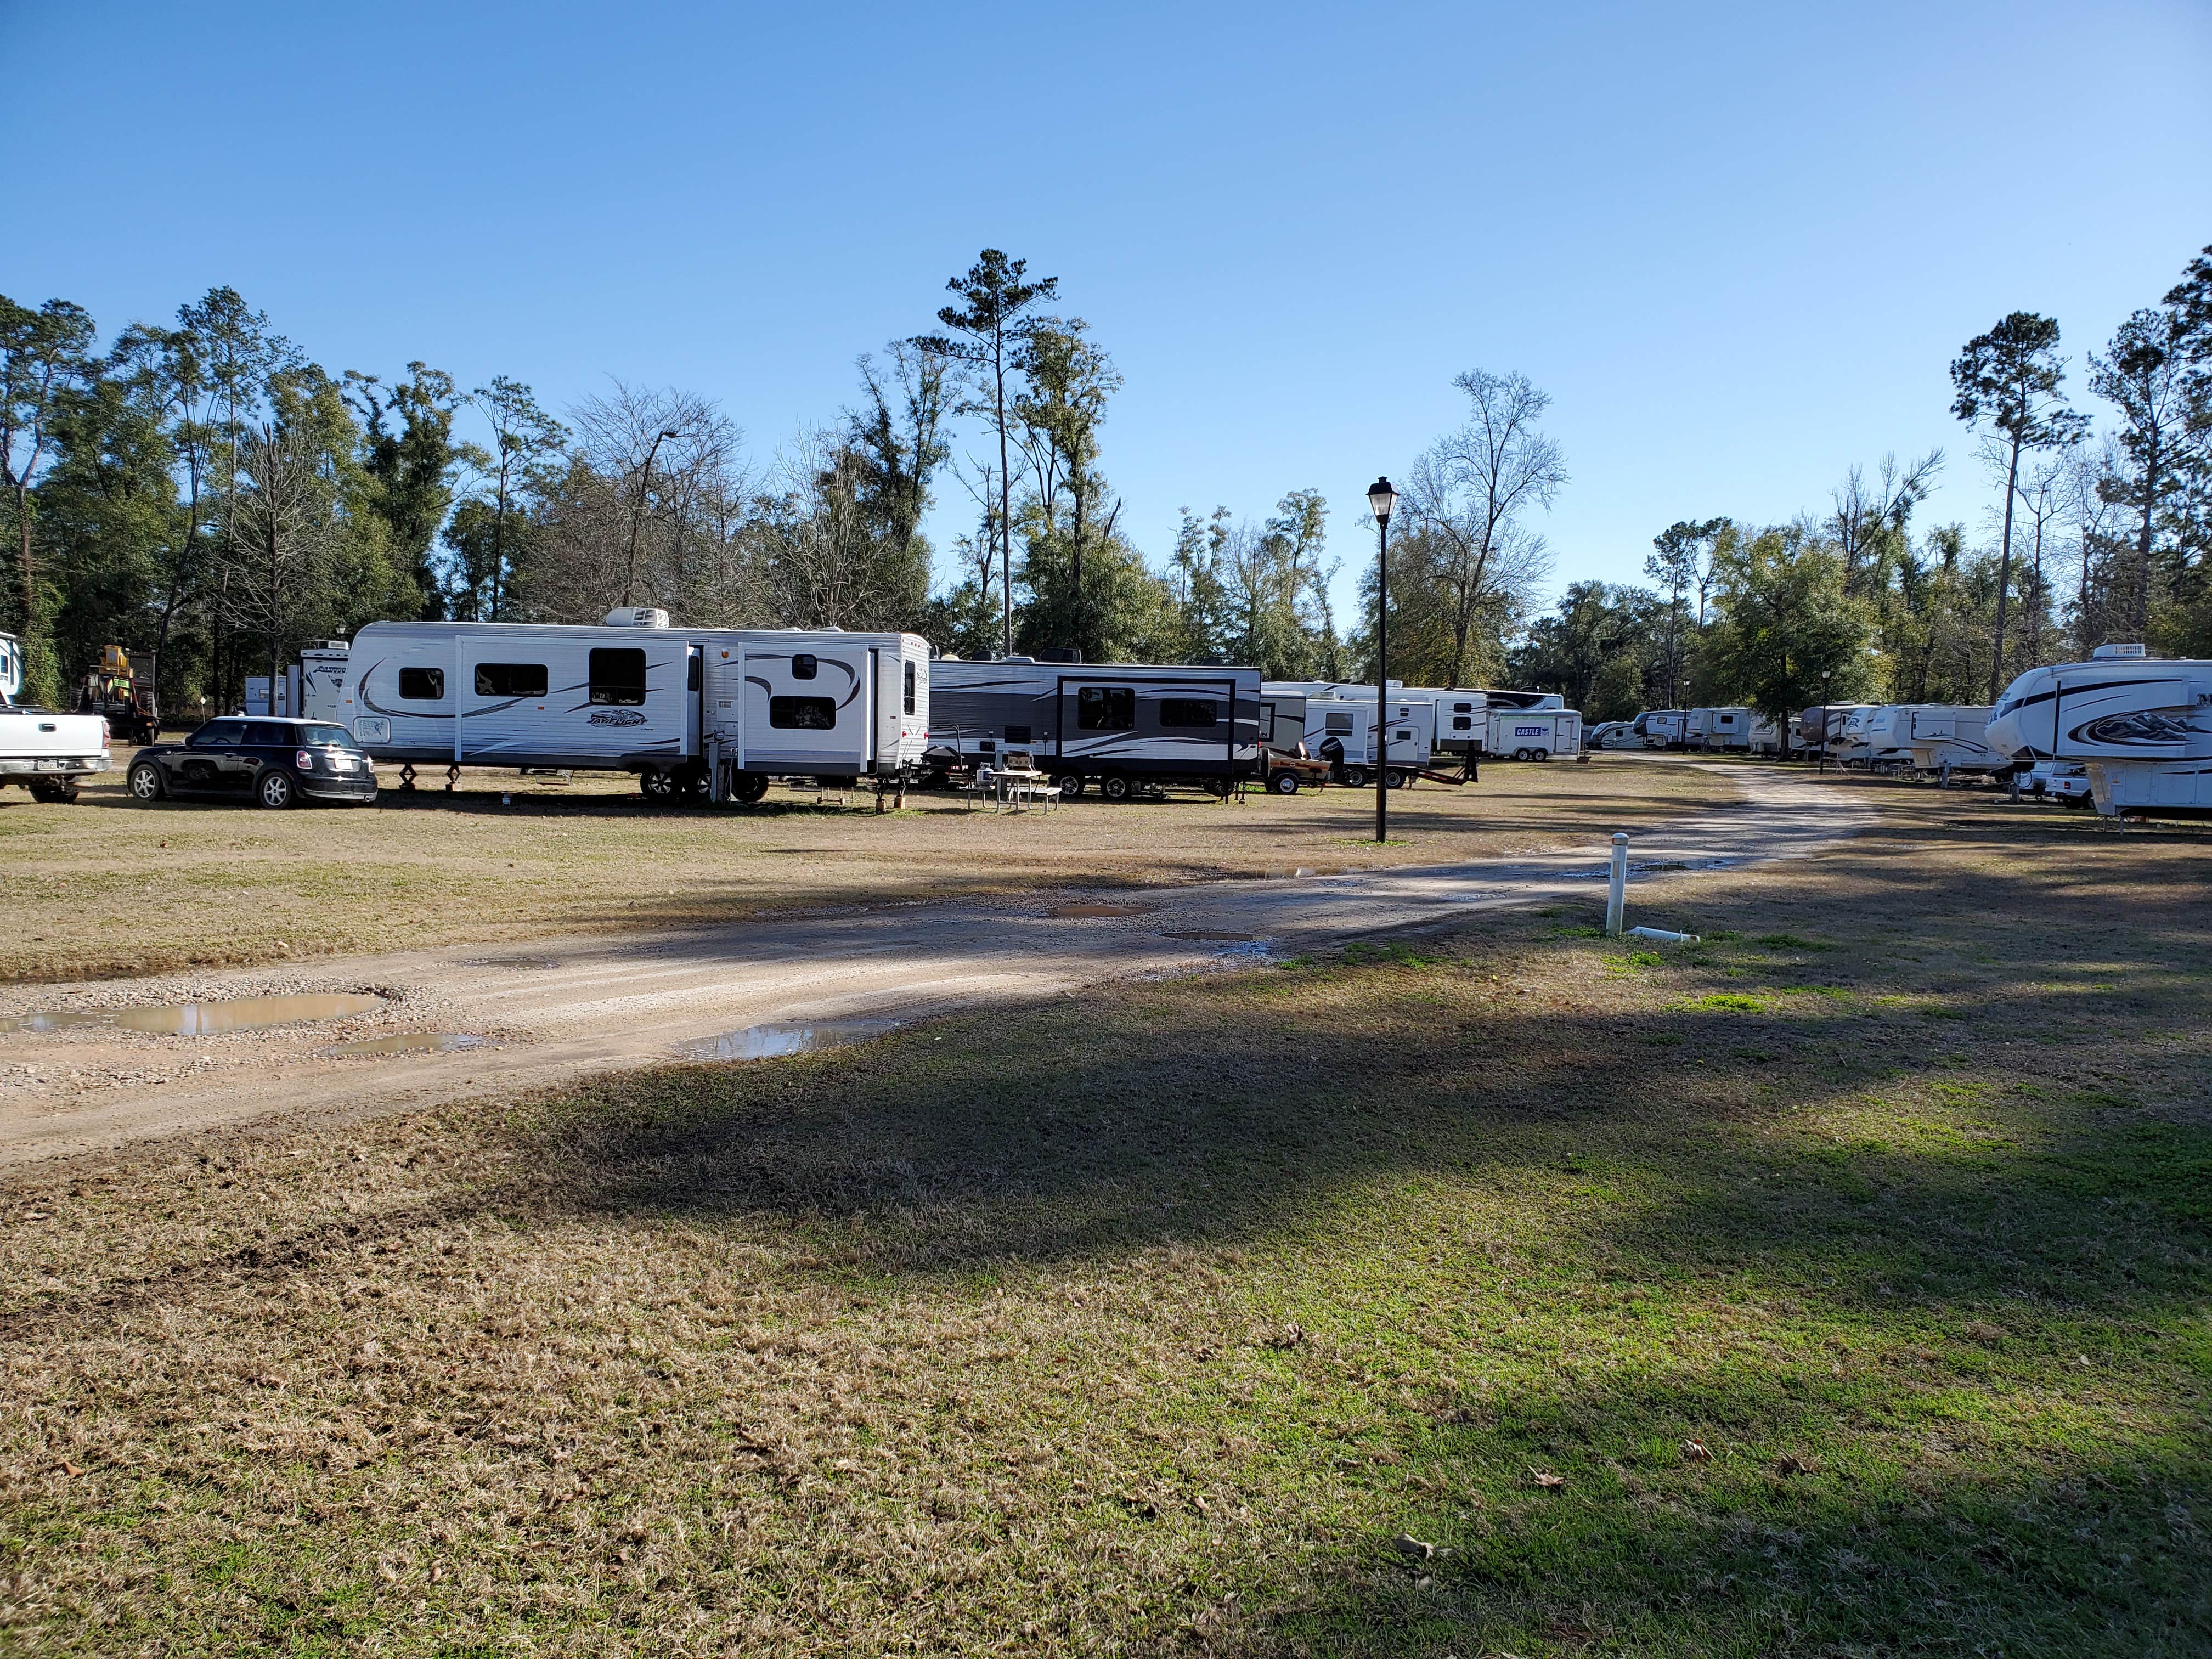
{"x": 284, "y": 526}
{"x": 1473, "y": 488}
{"x": 1871, "y": 515}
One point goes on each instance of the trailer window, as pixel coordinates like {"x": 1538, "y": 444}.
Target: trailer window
{"x": 510, "y": 679}
{"x": 618, "y": 675}
{"x": 1189, "y": 712}
{"x": 804, "y": 667}
{"x": 1017, "y": 734}
{"x": 1462, "y": 723}
{"x": 802, "y": 713}
{"x": 1106, "y": 708}
{"x": 1338, "y": 726}
{"x": 909, "y": 687}
{"x": 422, "y": 684}
{"x": 692, "y": 672}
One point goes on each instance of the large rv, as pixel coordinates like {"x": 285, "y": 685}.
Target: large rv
{"x": 1117, "y": 727}
{"x": 1662, "y": 728}
{"x": 1942, "y": 738}
{"x": 706, "y": 711}
{"x": 1825, "y": 725}
{"x": 2142, "y": 726}
{"x": 1736, "y": 729}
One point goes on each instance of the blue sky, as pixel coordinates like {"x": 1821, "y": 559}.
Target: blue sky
{"x": 1738, "y": 244}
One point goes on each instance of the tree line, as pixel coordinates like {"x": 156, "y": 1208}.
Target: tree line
{"x": 204, "y": 492}
{"x": 2094, "y": 536}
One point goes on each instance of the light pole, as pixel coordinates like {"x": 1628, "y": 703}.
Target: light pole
{"x": 637, "y": 514}
{"x": 1823, "y": 766}
{"x": 1382, "y": 501}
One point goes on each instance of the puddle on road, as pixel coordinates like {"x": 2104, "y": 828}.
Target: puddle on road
{"x": 205, "y": 1019}
{"x": 406, "y": 1042}
{"x": 60, "y": 1020}
{"x": 791, "y": 1036}
{"x": 1100, "y": 910}
{"x": 1213, "y": 939}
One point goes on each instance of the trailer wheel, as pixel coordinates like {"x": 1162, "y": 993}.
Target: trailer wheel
{"x": 747, "y": 788}
{"x": 1070, "y": 785}
{"x": 1520, "y": 754}
{"x": 145, "y": 782}
{"x": 1114, "y": 786}
{"x": 1285, "y": 783}
{"x": 1540, "y": 754}
{"x": 659, "y": 786}
{"x": 1356, "y": 776}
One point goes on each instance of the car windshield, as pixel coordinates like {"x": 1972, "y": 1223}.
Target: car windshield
{"x": 326, "y": 736}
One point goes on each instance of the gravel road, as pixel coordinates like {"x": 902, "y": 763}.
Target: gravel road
{"x": 554, "y": 1010}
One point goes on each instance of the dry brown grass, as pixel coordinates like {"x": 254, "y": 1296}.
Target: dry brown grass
{"x": 108, "y": 887}
{"x": 1154, "y": 1334}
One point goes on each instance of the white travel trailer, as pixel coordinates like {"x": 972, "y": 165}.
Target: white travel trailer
{"x": 1119, "y": 725}
{"x": 1662, "y": 728}
{"x": 11, "y": 667}
{"x": 1341, "y": 731}
{"x": 1861, "y": 729}
{"x": 1942, "y": 738}
{"x": 1727, "y": 728}
{"x": 317, "y": 682}
{"x": 2143, "y": 726}
{"x": 1824, "y": 725}
{"x": 1532, "y": 734}
{"x": 702, "y": 710}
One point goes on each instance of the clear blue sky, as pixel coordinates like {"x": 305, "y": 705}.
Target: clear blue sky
{"x": 1739, "y": 243}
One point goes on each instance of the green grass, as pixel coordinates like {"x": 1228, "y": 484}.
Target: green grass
{"x": 1159, "y": 1331}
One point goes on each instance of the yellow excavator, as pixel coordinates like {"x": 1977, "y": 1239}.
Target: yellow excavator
{"x": 123, "y": 690}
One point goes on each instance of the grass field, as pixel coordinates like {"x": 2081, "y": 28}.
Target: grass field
{"x": 108, "y": 887}
{"x": 1836, "y": 1287}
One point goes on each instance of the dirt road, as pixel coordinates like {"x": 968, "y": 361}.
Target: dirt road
{"x": 543, "y": 1013}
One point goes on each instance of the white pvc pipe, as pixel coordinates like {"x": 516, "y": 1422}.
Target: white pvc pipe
{"x": 1616, "y": 898}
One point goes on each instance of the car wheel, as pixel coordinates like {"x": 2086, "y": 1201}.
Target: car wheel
{"x": 275, "y": 790}
{"x": 1070, "y": 785}
{"x": 1285, "y": 783}
{"x": 1114, "y": 786}
{"x": 145, "y": 782}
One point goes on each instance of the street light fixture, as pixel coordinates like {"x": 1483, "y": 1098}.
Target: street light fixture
{"x": 1382, "y": 501}
{"x": 637, "y": 513}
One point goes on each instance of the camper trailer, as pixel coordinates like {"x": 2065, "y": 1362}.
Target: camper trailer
{"x": 1940, "y": 738}
{"x": 1719, "y": 728}
{"x": 1532, "y": 734}
{"x": 703, "y": 710}
{"x": 1117, "y": 726}
{"x": 2142, "y": 726}
{"x": 1341, "y": 731}
{"x": 1662, "y": 728}
{"x": 1824, "y": 725}
{"x": 11, "y": 667}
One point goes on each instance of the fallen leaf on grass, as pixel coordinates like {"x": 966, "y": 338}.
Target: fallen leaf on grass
{"x": 1292, "y": 1335}
{"x": 1790, "y": 1464}
{"x": 1696, "y": 1452}
{"x": 1407, "y": 1545}
{"x": 69, "y": 1468}
{"x": 1549, "y": 1482}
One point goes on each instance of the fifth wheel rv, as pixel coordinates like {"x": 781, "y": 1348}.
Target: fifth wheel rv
{"x": 2143, "y": 726}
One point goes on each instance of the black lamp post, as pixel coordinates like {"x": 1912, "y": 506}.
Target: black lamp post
{"x": 637, "y": 516}
{"x": 1382, "y": 501}
{"x": 1823, "y": 766}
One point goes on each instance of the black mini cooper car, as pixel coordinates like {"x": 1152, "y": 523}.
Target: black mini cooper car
{"x": 275, "y": 762}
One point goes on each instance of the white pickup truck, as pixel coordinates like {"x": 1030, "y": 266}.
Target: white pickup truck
{"x": 47, "y": 752}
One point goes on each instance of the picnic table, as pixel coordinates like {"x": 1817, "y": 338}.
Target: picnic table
{"x": 1013, "y": 788}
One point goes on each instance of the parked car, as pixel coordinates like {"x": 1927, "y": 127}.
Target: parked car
{"x": 2065, "y": 781}
{"x": 273, "y": 763}
{"x": 48, "y": 752}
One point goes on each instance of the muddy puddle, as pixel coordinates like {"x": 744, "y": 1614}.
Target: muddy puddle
{"x": 780, "y": 1037}
{"x": 1100, "y": 910}
{"x": 204, "y": 1019}
{"x": 405, "y": 1042}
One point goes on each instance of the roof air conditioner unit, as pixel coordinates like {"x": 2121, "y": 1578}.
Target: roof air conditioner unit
{"x": 2113, "y": 652}
{"x": 637, "y": 615}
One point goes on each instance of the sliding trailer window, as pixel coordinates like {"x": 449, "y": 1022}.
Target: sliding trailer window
{"x": 1189, "y": 712}
{"x": 802, "y": 713}
{"x": 1106, "y": 708}
{"x": 618, "y": 675}
{"x": 510, "y": 679}
{"x": 422, "y": 684}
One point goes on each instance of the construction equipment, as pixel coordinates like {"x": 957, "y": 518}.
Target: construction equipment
{"x": 122, "y": 691}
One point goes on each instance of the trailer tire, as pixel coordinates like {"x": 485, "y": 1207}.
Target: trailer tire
{"x": 1114, "y": 786}
{"x": 1356, "y": 776}
{"x": 1520, "y": 754}
{"x": 1540, "y": 754}
{"x": 657, "y": 784}
{"x": 1285, "y": 783}
{"x": 145, "y": 782}
{"x": 747, "y": 788}
{"x": 1399, "y": 780}
{"x": 1070, "y": 784}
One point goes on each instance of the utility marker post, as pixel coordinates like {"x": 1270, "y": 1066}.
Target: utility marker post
{"x": 1616, "y": 898}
